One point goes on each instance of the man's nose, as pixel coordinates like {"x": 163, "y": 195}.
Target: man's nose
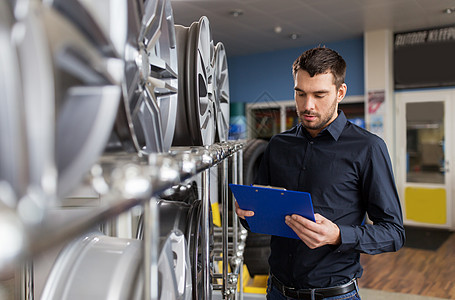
{"x": 308, "y": 103}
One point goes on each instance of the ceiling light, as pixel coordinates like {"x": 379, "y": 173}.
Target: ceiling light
{"x": 449, "y": 10}
{"x": 236, "y": 13}
{"x": 277, "y": 29}
{"x": 294, "y": 36}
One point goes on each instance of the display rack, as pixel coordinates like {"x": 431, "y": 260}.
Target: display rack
{"x": 126, "y": 181}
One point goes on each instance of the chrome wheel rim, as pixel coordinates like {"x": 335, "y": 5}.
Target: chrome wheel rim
{"x": 200, "y": 74}
{"x": 174, "y": 268}
{"x": 151, "y": 77}
{"x": 34, "y": 113}
{"x": 221, "y": 92}
{"x": 88, "y": 75}
{"x": 79, "y": 266}
{"x": 13, "y": 145}
{"x": 196, "y": 115}
{"x": 193, "y": 234}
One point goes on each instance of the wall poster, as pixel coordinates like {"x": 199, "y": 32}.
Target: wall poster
{"x": 376, "y": 112}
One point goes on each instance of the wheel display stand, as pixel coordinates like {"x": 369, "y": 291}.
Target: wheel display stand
{"x": 96, "y": 96}
{"x": 232, "y": 251}
{"x": 127, "y": 182}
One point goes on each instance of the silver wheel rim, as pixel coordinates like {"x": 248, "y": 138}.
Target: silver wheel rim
{"x": 87, "y": 102}
{"x": 194, "y": 238}
{"x": 151, "y": 77}
{"x": 79, "y": 266}
{"x": 13, "y": 151}
{"x": 196, "y": 113}
{"x": 174, "y": 268}
{"x": 221, "y": 92}
{"x": 200, "y": 74}
{"x": 28, "y": 107}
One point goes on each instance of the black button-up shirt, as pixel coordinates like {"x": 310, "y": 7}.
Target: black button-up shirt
{"x": 348, "y": 172}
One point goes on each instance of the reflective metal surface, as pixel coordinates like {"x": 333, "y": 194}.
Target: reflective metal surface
{"x": 12, "y": 127}
{"x": 196, "y": 113}
{"x": 74, "y": 76}
{"x": 174, "y": 268}
{"x": 146, "y": 121}
{"x": 87, "y": 76}
{"x": 26, "y": 101}
{"x": 95, "y": 266}
{"x": 221, "y": 92}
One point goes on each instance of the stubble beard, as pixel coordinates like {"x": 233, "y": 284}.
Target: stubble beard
{"x": 323, "y": 120}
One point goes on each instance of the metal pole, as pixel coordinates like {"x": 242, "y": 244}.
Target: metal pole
{"x": 151, "y": 236}
{"x": 234, "y": 216}
{"x": 239, "y": 172}
{"x": 240, "y": 166}
{"x": 24, "y": 282}
{"x": 205, "y": 234}
{"x": 225, "y": 218}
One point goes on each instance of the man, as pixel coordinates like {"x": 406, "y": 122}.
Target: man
{"x": 348, "y": 172}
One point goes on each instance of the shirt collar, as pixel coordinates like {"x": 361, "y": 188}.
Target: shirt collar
{"x": 334, "y": 129}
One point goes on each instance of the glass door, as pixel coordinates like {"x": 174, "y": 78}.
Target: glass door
{"x": 425, "y": 142}
{"x": 423, "y": 162}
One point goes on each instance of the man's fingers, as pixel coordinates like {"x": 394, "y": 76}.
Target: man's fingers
{"x": 314, "y": 234}
{"x": 243, "y": 213}
{"x": 319, "y": 218}
{"x": 302, "y": 226}
{"x": 308, "y": 224}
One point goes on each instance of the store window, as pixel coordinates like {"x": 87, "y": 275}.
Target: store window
{"x": 425, "y": 142}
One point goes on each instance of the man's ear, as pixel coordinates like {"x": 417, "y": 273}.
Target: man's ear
{"x": 342, "y": 92}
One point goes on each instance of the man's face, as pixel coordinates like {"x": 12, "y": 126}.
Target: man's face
{"x": 316, "y": 100}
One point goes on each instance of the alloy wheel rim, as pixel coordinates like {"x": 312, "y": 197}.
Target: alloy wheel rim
{"x": 221, "y": 92}
{"x": 151, "y": 76}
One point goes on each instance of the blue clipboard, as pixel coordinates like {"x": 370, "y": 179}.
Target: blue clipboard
{"x": 271, "y": 206}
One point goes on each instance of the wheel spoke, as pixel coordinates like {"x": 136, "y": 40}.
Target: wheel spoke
{"x": 135, "y": 12}
{"x": 87, "y": 76}
{"x": 79, "y": 15}
{"x": 155, "y": 73}
{"x": 152, "y": 123}
{"x": 77, "y": 152}
{"x": 13, "y": 150}
{"x": 151, "y": 21}
{"x": 135, "y": 104}
{"x": 160, "y": 68}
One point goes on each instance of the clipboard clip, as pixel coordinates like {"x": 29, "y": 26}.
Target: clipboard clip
{"x": 269, "y": 187}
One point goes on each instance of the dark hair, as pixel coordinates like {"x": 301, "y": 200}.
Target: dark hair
{"x": 321, "y": 60}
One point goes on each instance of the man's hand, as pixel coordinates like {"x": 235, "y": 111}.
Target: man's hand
{"x": 315, "y": 234}
{"x": 242, "y": 213}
